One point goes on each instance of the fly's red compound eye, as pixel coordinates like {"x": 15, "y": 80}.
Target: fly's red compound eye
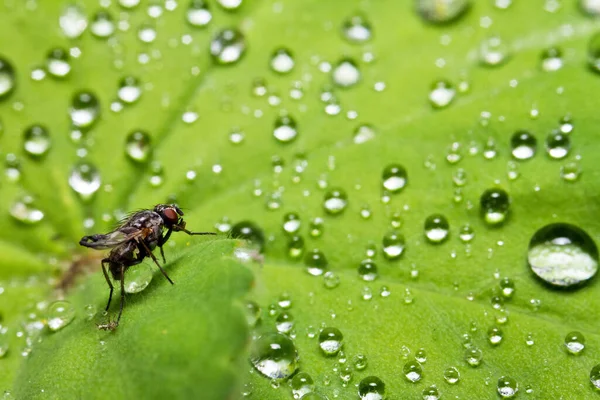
{"x": 170, "y": 214}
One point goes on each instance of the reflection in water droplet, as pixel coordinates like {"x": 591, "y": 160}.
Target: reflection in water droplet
{"x": 198, "y": 14}
{"x": 495, "y": 205}
{"x": 57, "y": 63}
{"x": 493, "y": 51}
{"x": 346, "y": 73}
{"x": 558, "y": 144}
{"x": 282, "y": 61}
{"x": 413, "y": 371}
{"x": 130, "y": 90}
{"x": 331, "y": 341}
{"x": 394, "y": 178}
{"x": 138, "y": 146}
{"x": 393, "y": 244}
{"x": 85, "y": 179}
{"x": 274, "y": 355}
{"x": 315, "y": 262}
{"x": 7, "y": 78}
{"x": 249, "y": 231}
{"x": 36, "y": 140}
{"x": 137, "y": 278}
{"x": 227, "y": 46}
{"x": 85, "y": 109}
{"x": 102, "y": 25}
{"x": 73, "y": 21}
{"x": 285, "y": 130}
{"x": 552, "y": 59}
{"x": 437, "y": 228}
{"x": 575, "y": 342}
{"x": 335, "y": 201}
{"x": 441, "y": 94}
{"x": 356, "y": 29}
{"x": 507, "y": 387}
{"x": 24, "y": 210}
{"x": 442, "y": 11}
{"x": 451, "y": 375}
{"x": 60, "y": 314}
{"x": 523, "y": 145}
{"x": 301, "y": 384}
{"x": 563, "y": 255}
{"x": 371, "y": 388}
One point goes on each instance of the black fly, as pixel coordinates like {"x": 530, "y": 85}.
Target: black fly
{"x": 133, "y": 241}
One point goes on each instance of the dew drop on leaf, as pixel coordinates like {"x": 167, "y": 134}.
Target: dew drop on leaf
{"x": 495, "y": 335}
{"x": 249, "y": 231}
{"x": 558, "y": 145}
{"x": 507, "y": 387}
{"x": 436, "y": 228}
{"x": 295, "y": 247}
{"x": 331, "y": 280}
{"x": 130, "y": 90}
{"x": 551, "y": 59}
{"x": 58, "y": 63}
{"x": 466, "y": 233}
{"x": 282, "y": 61}
{"x": 331, "y": 341}
{"x": 473, "y": 356}
{"x": 12, "y": 167}
{"x": 230, "y": 5}
{"x": 575, "y": 342}
{"x": 363, "y": 133}
{"x": 252, "y": 312}
{"x": 431, "y": 393}
{"x": 570, "y": 172}
{"x": 356, "y": 29}
{"x": 147, "y": 33}
{"x": 227, "y": 46}
{"x": 60, "y": 314}
{"x": 495, "y": 205}
{"x": 291, "y": 223}
{"x": 523, "y": 145}
{"x": 85, "y": 179}
{"x": 138, "y": 146}
{"x": 284, "y": 323}
{"x": 393, "y": 245}
{"x": 595, "y": 376}
{"x": 36, "y": 140}
{"x": 594, "y": 52}
{"x": 285, "y": 130}
{"x": 24, "y": 210}
{"x": 335, "y": 201}
{"x": 84, "y": 110}
{"x": 315, "y": 262}
{"x": 345, "y": 73}
{"x": 102, "y": 25}
{"x": 198, "y": 14}
{"x": 412, "y": 371}
{"x": 301, "y": 384}
{"x": 156, "y": 174}
{"x": 451, "y": 375}
{"x": 442, "y": 11}
{"x": 7, "y": 78}
{"x": 493, "y": 51}
{"x": 73, "y": 21}
{"x": 274, "y": 355}
{"x": 441, "y": 94}
{"x": 137, "y": 278}
{"x": 394, "y": 178}
{"x": 563, "y": 255}
{"x": 507, "y": 287}
{"x": 367, "y": 270}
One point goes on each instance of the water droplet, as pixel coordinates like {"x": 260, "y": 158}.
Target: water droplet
{"x": 24, "y": 210}
{"x": 138, "y": 146}
{"x": 60, "y": 314}
{"x": 466, "y": 233}
{"x": 315, "y": 262}
{"x": 331, "y": 280}
{"x": 360, "y": 362}
{"x": 595, "y": 376}
{"x": 394, "y": 178}
{"x": 590, "y": 7}
{"x": 431, "y": 393}
{"x": 73, "y": 21}
{"x": 7, "y": 78}
{"x": 356, "y": 29}
{"x": 252, "y": 312}
{"x": 284, "y": 323}
{"x": 102, "y": 25}
{"x": 437, "y": 228}
{"x": 36, "y": 140}
{"x": 138, "y": 277}
{"x": 367, "y": 270}
{"x": 507, "y": 287}
{"x": 346, "y": 73}
{"x": 282, "y": 61}
{"x": 570, "y": 172}
{"x": 274, "y": 355}
{"x": 413, "y": 371}
{"x": 291, "y": 223}
{"x": 230, "y": 5}
{"x": 451, "y": 375}
{"x": 335, "y": 201}
{"x": 302, "y": 383}
{"x": 473, "y": 356}
{"x": 146, "y": 33}
{"x": 130, "y": 90}
{"x": 198, "y": 14}
{"x": 495, "y": 335}
{"x": 331, "y": 341}
{"x": 507, "y": 387}
{"x": 371, "y": 388}
{"x": 442, "y": 11}
{"x": 3, "y": 348}
{"x": 363, "y": 133}
{"x": 575, "y": 342}
{"x": 441, "y": 94}
{"x": 523, "y": 145}
{"x": 551, "y": 59}
{"x": 594, "y": 52}
{"x": 57, "y": 63}
{"x": 316, "y": 227}
{"x": 227, "y": 46}
{"x": 459, "y": 177}
{"x": 493, "y": 51}
{"x": 393, "y": 245}
{"x": 495, "y": 205}
{"x": 563, "y": 255}
{"x": 85, "y": 109}
{"x": 85, "y": 179}
{"x": 156, "y": 174}
{"x": 249, "y": 231}
{"x": 558, "y": 145}
{"x": 295, "y": 247}
{"x": 285, "y": 130}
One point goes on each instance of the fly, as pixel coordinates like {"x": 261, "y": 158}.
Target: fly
{"x": 135, "y": 239}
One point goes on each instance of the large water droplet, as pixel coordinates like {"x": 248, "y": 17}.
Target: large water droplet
{"x": 198, "y": 13}
{"x": 227, "y": 46}
{"x": 274, "y": 355}
{"x": 301, "y": 384}
{"x": 413, "y": 371}
{"x": 594, "y": 52}
{"x": 102, "y": 25}
{"x": 291, "y": 223}
{"x": 441, "y": 94}
{"x": 595, "y": 376}
{"x": 315, "y": 262}
{"x": 394, "y": 178}
{"x": 495, "y": 205}
{"x": 442, "y": 11}
{"x": 558, "y": 144}
{"x": 36, "y": 140}
{"x": 523, "y": 145}
{"x": 60, "y": 314}
{"x": 73, "y": 21}
{"x": 130, "y": 90}
{"x": 85, "y": 179}
{"x": 331, "y": 341}
{"x": 473, "y": 356}
{"x": 431, "y": 393}
{"x": 137, "y": 278}
{"x": 367, "y": 270}
{"x": 575, "y": 342}
{"x": 451, "y": 375}
{"x": 285, "y": 130}
{"x": 57, "y": 63}
{"x": 551, "y": 59}
{"x": 24, "y": 210}
{"x": 335, "y": 201}
{"x": 436, "y": 228}
{"x": 393, "y": 245}
{"x": 563, "y": 255}
{"x": 85, "y": 109}
{"x": 282, "y": 61}
{"x": 249, "y": 231}
{"x": 346, "y": 73}
{"x": 147, "y": 33}
{"x": 371, "y": 388}
{"x": 507, "y": 387}
{"x": 356, "y": 29}
{"x": 7, "y": 78}
{"x": 138, "y": 146}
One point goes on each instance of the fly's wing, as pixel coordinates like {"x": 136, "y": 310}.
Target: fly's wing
{"x": 111, "y": 239}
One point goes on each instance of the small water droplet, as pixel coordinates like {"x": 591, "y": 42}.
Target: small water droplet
{"x": 466, "y": 233}
{"x": 24, "y": 210}
{"x": 36, "y": 140}
{"x": 563, "y": 255}
{"x": 335, "y": 201}
{"x": 394, "y": 178}
{"x": 473, "y": 356}
{"x": 282, "y": 61}
{"x": 130, "y": 90}
{"x": 250, "y": 232}
{"x": 227, "y": 46}
{"x": 316, "y": 227}
{"x": 558, "y": 144}
{"x": 85, "y": 179}
{"x": 551, "y": 59}
{"x": 315, "y": 262}
{"x": 507, "y": 387}
{"x": 57, "y": 63}
{"x": 346, "y": 73}
{"x": 431, "y": 393}
{"x": 523, "y": 145}
{"x": 60, "y": 314}
{"x": 507, "y": 287}
{"x": 146, "y": 33}
{"x": 436, "y": 228}
{"x": 442, "y": 11}
{"x": 7, "y": 78}
{"x": 331, "y": 341}
{"x": 274, "y": 355}
{"x": 371, "y": 388}
{"x": 198, "y": 13}
{"x": 359, "y": 362}
{"x": 575, "y": 342}
{"x": 73, "y": 21}
{"x": 302, "y": 383}
{"x": 595, "y": 376}
{"x": 363, "y": 133}
{"x": 138, "y": 146}
{"x": 102, "y": 25}
{"x": 451, "y": 375}
{"x": 156, "y": 174}
{"x": 285, "y": 130}
{"x": 570, "y": 172}
{"x": 331, "y": 280}
{"x": 284, "y": 323}
{"x": 594, "y": 52}
{"x": 413, "y": 371}
{"x": 495, "y": 205}
{"x": 85, "y": 109}
{"x": 252, "y": 312}
{"x": 393, "y": 245}
{"x": 495, "y": 335}
{"x": 441, "y": 94}
{"x": 493, "y": 51}
{"x": 356, "y": 29}
{"x": 367, "y": 270}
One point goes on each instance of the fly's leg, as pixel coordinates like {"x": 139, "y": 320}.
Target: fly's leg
{"x": 161, "y": 243}
{"x": 155, "y": 261}
{"x": 122, "y": 295}
{"x": 181, "y": 228}
{"x": 110, "y": 285}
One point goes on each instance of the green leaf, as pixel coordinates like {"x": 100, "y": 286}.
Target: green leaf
{"x": 438, "y": 293}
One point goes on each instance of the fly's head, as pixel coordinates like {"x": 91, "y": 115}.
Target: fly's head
{"x": 170, "y": 214}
